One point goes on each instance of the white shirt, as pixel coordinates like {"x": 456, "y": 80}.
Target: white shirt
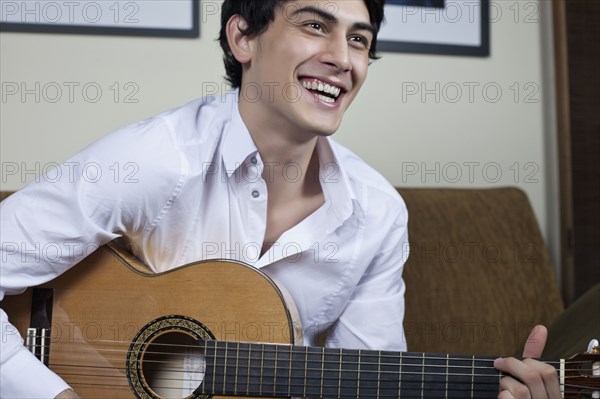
{"x": 188, "y": 185}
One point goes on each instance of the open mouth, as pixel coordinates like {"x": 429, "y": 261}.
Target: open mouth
{"x": 324, "y": 91}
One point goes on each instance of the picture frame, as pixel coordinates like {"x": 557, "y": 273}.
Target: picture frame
{"x": 450, "y": 27}
{"x": 159, "y": 18}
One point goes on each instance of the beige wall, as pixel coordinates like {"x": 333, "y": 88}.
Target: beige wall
{"x": 410, "y": 122}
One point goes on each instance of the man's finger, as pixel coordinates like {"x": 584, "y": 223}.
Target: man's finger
{"x": 535, "y": 342}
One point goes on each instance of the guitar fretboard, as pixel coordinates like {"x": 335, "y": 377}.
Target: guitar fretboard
{"x": 270, "y": 370}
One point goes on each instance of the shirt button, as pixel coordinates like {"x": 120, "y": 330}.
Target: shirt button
{"x": 255, "y": 194}
{"x": 253, "y": 161}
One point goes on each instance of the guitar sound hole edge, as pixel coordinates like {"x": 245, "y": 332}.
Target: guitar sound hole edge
{"x": 159, "y": 354}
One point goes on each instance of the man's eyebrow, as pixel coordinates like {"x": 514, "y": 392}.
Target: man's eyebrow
{"x": 332, "y": 18}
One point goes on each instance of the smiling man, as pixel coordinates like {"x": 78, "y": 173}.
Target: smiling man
{"x": 252, "y": 176}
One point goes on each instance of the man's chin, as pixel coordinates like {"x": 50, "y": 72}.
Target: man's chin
{"x": 325, "y": 129}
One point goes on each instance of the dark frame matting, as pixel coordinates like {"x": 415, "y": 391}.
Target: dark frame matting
{"x": 193, "y": 32}
{"x": 483, "y": 50}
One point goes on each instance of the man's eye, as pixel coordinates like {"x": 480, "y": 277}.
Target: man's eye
{"x": 315, "y": 25}
{"x": 360, "y": 40}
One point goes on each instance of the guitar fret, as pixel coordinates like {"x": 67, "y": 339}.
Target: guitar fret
{"x": 349, "y": 377}
{"x": 370, "y": 375}
{"x": 322, "y": 370}
{"x": 206, "y": 373}
{"x": 249, "y": 368}
{"x": 331, "y": 373}
{"x": 282, "y": 371}
{"x": 305, "y": 369}
{"x": 340, "y": 375}
{"x": 411, "y": 375}
{"x": 400, "y": 375}
{"x": 446, "y": 385}
{"x": 237, "y": 368}
{"x": 486, "y": 378}
{"x": 275, "y": 371}
{"x": 214, "y": 367}
{"x": 243, "y": 371}
{"x": 358, "y": 379}
{"x": 297, "y": 386}
{"x": 422, "y": 375}
{"x": 435, "y": 376}
{"x": 262, "y": 363}
{"x": 314, "y": 366}
{"x": 387, "y": 374}
{"x": 379, "y": 374}
{"x": 290, "y": 375}
{"x": 473, "y": 377}
{"x": 269, "y": 371}
{"x": 225, "y": 368}
{"x": 460, "y": 376}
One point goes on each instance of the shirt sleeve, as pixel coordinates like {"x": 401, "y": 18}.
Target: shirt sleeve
{"x": 373, "y": 316}
{"x": 106, "y": 191}
{"x": 18, "y": 366}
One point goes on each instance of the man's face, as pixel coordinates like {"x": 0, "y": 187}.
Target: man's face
{"x": 310, "y": 64}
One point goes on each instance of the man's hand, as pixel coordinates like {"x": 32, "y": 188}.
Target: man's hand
{"x": 530, "y": 379}
{"x": 68, "y": 394}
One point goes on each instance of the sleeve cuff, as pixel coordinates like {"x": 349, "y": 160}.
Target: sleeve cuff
{"x": 18, "y": 372}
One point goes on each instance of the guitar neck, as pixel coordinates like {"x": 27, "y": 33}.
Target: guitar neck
{"x": 268, "y": 370}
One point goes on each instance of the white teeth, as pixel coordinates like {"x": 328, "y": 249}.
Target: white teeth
{"x": 323, "y": 87}
{"x": 325, "y": 98}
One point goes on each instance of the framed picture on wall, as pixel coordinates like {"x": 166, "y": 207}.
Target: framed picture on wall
{"x": 166, "y": 18}
{"x": 455, "y": 27}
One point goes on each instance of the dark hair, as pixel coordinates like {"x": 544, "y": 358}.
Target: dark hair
{"x": 259, "y": 14}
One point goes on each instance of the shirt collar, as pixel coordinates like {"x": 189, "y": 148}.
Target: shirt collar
{"x": 237, "y": 142}
{"x": 335, "y": 181}
{"x": 339, "y": 195}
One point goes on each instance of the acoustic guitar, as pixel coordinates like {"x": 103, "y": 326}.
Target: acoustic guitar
{"x": 111, "y": 329}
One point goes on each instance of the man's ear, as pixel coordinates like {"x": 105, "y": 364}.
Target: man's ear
{"x": 239, "y": 43}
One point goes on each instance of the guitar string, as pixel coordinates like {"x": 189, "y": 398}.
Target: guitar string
{"x": 446, "y": 375}
{"x": 247, "y": 376}
{"x": 318, "y": 370}
{"x": 242, "y": 376}
{"x": 568, "y": 388}
{"x": 303, "y": 352}
{"x": 326, "y": 362}
{"x": 279, "y": 369}
{"x": 429, "y": 389}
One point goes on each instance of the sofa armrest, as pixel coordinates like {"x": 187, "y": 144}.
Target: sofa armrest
{"x": 571, "y": 332}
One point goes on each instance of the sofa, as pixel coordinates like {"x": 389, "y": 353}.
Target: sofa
{"x": 479, "y": 277}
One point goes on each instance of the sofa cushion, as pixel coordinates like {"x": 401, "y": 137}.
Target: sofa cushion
{"x": 478, "y": 276}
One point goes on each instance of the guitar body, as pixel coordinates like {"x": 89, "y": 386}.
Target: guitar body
{"x": 100, "y": 306}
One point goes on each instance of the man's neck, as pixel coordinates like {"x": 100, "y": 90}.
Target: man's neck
{"x": 291, "y": 172}
{"x": 291, "y": 165}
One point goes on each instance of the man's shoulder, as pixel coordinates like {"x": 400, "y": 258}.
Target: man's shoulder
{"x": 368, "y": 184}
{"x": 198, "y": 119}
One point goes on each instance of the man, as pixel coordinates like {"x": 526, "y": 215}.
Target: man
{"x": 254, "y": 173}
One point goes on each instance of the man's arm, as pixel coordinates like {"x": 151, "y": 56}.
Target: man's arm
{"x": 530, "y": 378}
{"x": 18, "y": 366}
{"x": 52, "y": 224}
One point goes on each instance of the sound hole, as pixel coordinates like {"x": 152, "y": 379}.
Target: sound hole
{"x": 173, "y": 365}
